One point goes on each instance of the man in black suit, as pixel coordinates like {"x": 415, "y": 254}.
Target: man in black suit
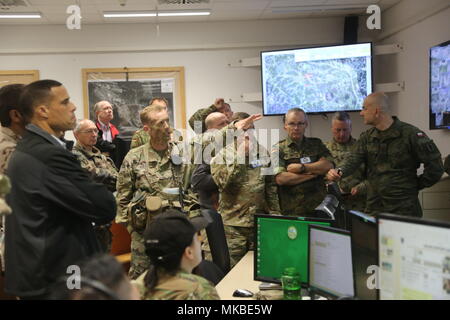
{"x": 53, "y": 200}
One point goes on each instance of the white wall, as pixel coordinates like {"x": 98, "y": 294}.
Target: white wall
{"x": 417, "y": 25}
{"x": 203, "y": 49}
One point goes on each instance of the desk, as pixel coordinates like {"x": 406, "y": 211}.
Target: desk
{"x": 240, "y": 277}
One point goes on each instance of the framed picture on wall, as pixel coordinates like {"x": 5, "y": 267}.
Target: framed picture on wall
{"x": 18, "y": 76}
{"x": 129, "y": 90}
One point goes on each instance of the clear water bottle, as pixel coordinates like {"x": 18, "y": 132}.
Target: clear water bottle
{"x": 290, "y": 281}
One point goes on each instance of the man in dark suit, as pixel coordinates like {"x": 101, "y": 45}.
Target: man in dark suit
{"x": 53, "y": 200}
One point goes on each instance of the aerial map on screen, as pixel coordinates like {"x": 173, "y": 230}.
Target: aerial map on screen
{"x": 318, "y": 80}
{"x": 440, "y": 86}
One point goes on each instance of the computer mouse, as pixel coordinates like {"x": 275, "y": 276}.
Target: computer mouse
{"x": 242, "y": 293}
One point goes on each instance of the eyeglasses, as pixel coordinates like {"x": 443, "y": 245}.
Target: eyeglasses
{"x": 90, "y": 131}
{"x": 298, "y": 124}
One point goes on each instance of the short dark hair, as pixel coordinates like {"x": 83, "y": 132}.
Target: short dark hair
{"x": 9, "y": 100}
{"x": 34, "y": 94}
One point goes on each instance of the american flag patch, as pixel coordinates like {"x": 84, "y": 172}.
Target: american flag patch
{"x": 420, "y": 134}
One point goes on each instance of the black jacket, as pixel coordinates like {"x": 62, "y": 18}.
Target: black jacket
{"x": 54, "y": 204}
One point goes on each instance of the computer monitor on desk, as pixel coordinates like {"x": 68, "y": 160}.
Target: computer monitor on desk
{"x": 281, "y": 242}
{"x": 330, "y": 262}
{"x": 364, "y": 235}
{"x": 414, "y": 258}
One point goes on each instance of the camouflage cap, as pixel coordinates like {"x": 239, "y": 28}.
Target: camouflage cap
{"x": 170, "y": 233}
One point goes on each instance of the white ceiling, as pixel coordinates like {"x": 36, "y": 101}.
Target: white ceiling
{"x": 54, "y": 11}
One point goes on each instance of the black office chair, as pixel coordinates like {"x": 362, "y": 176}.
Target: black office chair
{"x": 210, "y": 271}
{"x": 217, "y": 241}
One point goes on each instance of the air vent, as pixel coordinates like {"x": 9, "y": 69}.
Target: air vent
{"x": 182, "y": 1}
{"x": 13, "y": 3}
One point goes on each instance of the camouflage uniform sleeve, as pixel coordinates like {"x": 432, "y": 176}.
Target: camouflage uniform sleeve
{"x": 138, "y": 139}
{"x": 4, "y": 189}
{"x": 205, "y": 291}
{"x": 125, "y": 190}
{"x": 200, "y": 115}
{"x": 224, "y": 173}
{"x": 428, "y": 153}
{"x": 325, "y": 153}
{"x": 272, "y": 199}
{"x": 357, "y": 157}
{"x": 4, "y": 157}
{"x": 277, "y": 152}
{"x": 107, "y": 177}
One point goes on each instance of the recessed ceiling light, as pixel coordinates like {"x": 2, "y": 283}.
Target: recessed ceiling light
{"x": 128, "y": 14}
{"x": 183, "y": 13}
{"x": 20, "y": 16}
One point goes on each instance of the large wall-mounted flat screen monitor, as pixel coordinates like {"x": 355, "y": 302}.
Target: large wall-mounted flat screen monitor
{"x": 318, "y": 80}
{"x": 440, "y": 86}
{"x": 282, "y": 242}
{"x": 414, "y": 258}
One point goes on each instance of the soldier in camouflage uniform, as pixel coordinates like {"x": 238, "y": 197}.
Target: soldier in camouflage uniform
{"x": 354, "y": 185}
{"x": 141, "y": 137}
{"x": 146, "y": 182}
{"x": 392, "y": 152}
{"x": 100, "y": 168}
{"x": 200, "y": 115}
{"x": 11, "y": 129}
{"x": 302, "y": 164}
{"x": 240, "y": 171}
{"x": 5, "y": 186}
{"x": 12, "y": 122}
{"x": 173, "y": 244}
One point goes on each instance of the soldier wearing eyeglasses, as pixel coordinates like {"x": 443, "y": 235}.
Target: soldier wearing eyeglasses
{"x": 100, "y": 168}
{"x": 302, "y": 164}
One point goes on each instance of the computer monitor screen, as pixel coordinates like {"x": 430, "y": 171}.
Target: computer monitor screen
{"x": 330, "y": 262}
{"x": 414, "y": 258}
{"x": 282, "y": 242}
{"x": 440, "y": 86}
{"x": 363, "y": 229}
{"x": 318, "y": 80}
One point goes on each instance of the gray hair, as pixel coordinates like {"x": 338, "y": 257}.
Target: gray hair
{"x": 98, "y": 105}
{"x": 292, "y": 110}
{"x": 80, "y": 123}
{"x": 341, "y": 116}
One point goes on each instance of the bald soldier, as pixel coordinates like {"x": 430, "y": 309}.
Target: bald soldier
{"x": 302, "y": 164}
{"x": 342, "y": 144}
{"x": 392, "y": 151}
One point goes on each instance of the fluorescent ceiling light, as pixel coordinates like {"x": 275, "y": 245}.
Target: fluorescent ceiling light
{"x": 20, "y": 16}
{"x": 128, "y": 14}
{"x": 183, "y": 13}
{"x": 294, "y": 9}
